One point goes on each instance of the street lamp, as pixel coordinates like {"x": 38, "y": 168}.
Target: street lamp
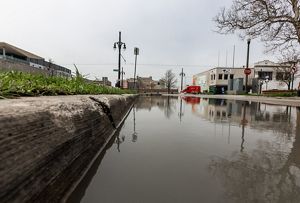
{"x": 119, "y": 45}
{"x": 122, "y": 81}
{"x": 247, "y": 65}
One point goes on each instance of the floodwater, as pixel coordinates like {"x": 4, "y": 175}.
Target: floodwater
{"x": 188, "y": 149}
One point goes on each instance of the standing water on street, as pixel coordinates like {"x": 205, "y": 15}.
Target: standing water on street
{"x": 191, "y": 149}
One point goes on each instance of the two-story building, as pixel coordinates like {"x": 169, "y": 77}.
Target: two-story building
{"x": 216, "y": 79}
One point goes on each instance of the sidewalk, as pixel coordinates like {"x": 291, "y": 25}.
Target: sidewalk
{"x": 286, "y": 101}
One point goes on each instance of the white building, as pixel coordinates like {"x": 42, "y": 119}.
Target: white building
{"x": 271, "y": 74}
{"x": 216, "y": 79}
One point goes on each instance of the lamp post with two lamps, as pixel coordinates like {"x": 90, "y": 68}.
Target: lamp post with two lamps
{"x": 119, "y": 44}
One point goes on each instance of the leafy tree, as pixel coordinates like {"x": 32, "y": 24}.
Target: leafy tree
{"x": 275, "y": 22}
{"x": 169, "y": 80}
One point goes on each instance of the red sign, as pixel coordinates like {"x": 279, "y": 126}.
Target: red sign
{"x": 247, "y": 71}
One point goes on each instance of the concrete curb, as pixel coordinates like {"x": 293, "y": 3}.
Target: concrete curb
{"x": 46, "y": 143}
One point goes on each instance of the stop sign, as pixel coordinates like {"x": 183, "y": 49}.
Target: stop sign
{"x": 247, "y": 71}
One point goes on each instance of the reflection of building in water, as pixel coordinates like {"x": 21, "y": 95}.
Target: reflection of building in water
{"x": 270, "y": 173}
{"x": 166, "y": 104}
{"x": 258, "y": 116}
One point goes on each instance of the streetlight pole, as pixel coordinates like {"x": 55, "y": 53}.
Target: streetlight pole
{"x": 247, "y": 65}
{"x": 182, "y": 74}
{"x": 136, "y": 53}
{"x": 119, "y": 44}
{"x": 122, "y": 81}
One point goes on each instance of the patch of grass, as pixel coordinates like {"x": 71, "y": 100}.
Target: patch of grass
{"x": 285, "y": 94}
{"x": 16, "y": 84}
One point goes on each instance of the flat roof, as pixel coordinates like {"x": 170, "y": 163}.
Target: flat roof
{"x": 218, "y": 68}
{"x": 17, "y": 51}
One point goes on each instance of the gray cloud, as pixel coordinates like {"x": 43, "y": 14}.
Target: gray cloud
{"x": 168, "y": 32}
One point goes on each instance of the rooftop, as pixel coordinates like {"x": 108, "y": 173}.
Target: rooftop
{"x": 10, "y": 49}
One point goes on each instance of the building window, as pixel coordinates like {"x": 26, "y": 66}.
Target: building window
{"x": 265, "y": 75}
{"x": 231, "y": 76}
{"x": 283, "y": 76}
{"x": 223, "y": 114}
{"x": 220, "y": 76}
{"x": 213, "y": 77}
{"x": 226, "y": 77}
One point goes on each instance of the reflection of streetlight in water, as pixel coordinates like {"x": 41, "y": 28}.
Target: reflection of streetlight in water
{"x": 180, "y": 110}
{"x": 243, "y": 122}
{"x": 134, "y": 134}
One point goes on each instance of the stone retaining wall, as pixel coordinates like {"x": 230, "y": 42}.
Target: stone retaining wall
{"x": 46, "y": 143}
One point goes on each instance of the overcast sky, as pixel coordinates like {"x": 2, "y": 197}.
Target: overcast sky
{"x": 171, "y": 34}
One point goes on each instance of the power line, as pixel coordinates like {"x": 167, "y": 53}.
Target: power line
{"x": 145, "y": 64}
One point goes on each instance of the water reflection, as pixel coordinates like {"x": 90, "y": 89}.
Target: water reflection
{"x": 243, "y": 113}
{"x": 134, "y": 134}
{"x": 80, "y": 190}
{"x": 268, "y": 173}
{"x": 167, "y": 104}
{"x": 222, "y": 151}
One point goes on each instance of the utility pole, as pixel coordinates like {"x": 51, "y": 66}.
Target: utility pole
{"x": 247, "y": 65}
{"x": 119, "y": 44}
{"x": 136, "y": 53}
{"x": 122, "y": 82}
{"x": 182, "y": 74}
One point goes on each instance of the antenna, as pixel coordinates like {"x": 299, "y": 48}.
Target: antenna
{"x": 233, "y": 56}
{"x": 226, "y": 58}
{"x": 219, "y": 58}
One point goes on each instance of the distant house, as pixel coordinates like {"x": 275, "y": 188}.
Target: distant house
{"x": 104, "y": 81}
{"x": 14, "y": 58}
{"x": 142, "y": 83}
{"x": 274, "y": 74}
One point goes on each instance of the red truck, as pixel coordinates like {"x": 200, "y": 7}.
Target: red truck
{"x": 192, "y": 89}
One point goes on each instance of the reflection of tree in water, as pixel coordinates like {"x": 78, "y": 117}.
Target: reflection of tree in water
{"x": 169, "y": 106}
{"x": 267, "y": 174}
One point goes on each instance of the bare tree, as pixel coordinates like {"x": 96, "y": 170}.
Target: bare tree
{"x": 288, "y": 71}
{"x": 169, "y": 80}
{"x": 284, "y": 74}
{"x": 275, "y": 22}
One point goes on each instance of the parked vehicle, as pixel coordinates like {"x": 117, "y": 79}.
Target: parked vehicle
{"x": 192, "y": 89}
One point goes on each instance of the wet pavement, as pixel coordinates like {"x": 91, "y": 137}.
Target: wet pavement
{"x": 188, "y": 149}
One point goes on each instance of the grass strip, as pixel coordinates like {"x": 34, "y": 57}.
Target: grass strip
{"x": 17, "y": 84}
